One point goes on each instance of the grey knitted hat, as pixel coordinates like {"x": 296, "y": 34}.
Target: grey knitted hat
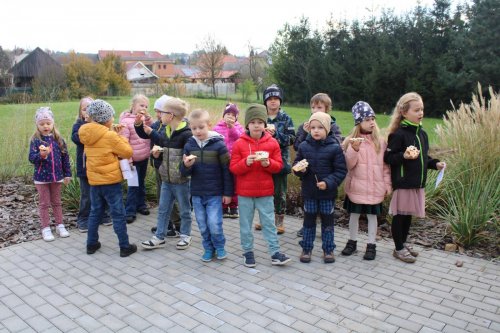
{"x": 360, "y": 111}
{"x": 100, "y": 111}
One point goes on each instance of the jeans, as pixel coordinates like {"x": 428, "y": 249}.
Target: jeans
{"x": 280, "y": 186}
{"x": 209, "y": 219}
{"x": 174, "y": 219}
{"x": 84, "y": 211}
{"x": 112, "y": 195}
{"x": 136, "y": 195}
{"x": 49, "y": 196}
{"x": 169, "y": 193}
{"x": 265, "y": 206}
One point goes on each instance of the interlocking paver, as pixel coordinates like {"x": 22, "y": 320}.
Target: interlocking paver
{"x": 58, "y": 287}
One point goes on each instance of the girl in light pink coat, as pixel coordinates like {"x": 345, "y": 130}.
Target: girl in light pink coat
{"x": 136, "y": 195}
{"x": 368, "y": 179}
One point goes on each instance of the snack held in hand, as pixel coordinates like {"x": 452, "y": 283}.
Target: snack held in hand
{"x": 117, "y": 127}
{"x": 42, "y": 147}
{"x": 301, "y": 165}
{"x": 261, "y": 155}
{"x": 271, "y": 127}
{"x": 412, "y": 151}
{"x": 357, "y": 139}
{"x": 157, "y": 148}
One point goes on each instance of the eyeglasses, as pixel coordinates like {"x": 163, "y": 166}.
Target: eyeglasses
{"x": 165, "y": 112}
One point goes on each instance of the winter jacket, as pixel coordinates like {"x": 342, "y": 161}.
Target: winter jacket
{"x": 139, "y": 145}
{"x": 334, "y": 131}
{"x": 255, "y": 180}
{"x": 285, "y": 134}
{"x": 210, "y": 173}
{"x": 326, "y": 163}
{"x": 80, "y": 166}
{"x": 173, "y": 145}
{"x": 55, "y": 166}
{"x": 102, "y": 150}
{"x": 230, "y": 134}
{"x": 368, "y": 177}
{"x": 408, "y": 173}
{"x": 157, "y": 126}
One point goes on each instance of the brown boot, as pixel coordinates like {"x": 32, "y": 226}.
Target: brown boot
{"x": 279, "y": 221}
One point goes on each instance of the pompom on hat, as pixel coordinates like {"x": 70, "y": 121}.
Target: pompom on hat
{"x": 255, "y": 111}
{"x": 160, "y": 102}
{"x": 100, "y": 111}
{"x": 44, "y": 113}
{"x": 360, "y": 111}
{"x": 231, "y": 108}
{"x": 324, "y": 119}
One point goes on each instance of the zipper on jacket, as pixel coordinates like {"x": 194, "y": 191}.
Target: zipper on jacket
{"x": 421, "y": 159}
{"x": 53, "y": 166}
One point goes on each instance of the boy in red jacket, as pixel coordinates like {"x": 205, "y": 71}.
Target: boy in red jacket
{"x": 255, "y": 158}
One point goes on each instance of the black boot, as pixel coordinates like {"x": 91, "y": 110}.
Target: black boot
{"x": 370, "y": 252}
{"x": 350, "y": 248}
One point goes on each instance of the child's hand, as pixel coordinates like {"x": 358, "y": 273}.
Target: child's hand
{"x": 148, "y": 129}
{"x": 411, "y": 153}
{"x": 265, "y": 162}
{"x": 188, "y": 160}
{"x": 440, "y": 165}
{"x": 155, "y": 153}
{"x": 226, "y": 200}
{"x": 271, "y": 129}
{"x": 306, "y": 126}
{"x": 388, "y": 191}
{"x": 139, "y": 118}
{"x": 44, "y": 151}
{"x": 321, "y": 185}
{"x": 67, "y": 180}
{"x": 229, "y": 121}
{"x": 250, "y": 159}
{"x": 117, "y": 127}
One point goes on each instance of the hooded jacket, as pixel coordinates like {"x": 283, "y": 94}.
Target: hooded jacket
{"x": 285, "y": 135}
{"x": 102, "y": 150}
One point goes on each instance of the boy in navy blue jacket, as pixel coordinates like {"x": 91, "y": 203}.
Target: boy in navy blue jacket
{"x": 206, "y": 160}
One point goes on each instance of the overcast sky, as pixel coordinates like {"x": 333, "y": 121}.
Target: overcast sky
{"x": 169, "y": 26}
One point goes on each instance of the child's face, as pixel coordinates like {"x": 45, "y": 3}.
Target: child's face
{"x": 140, "y": 105}
{"x": 318, "y": 131}
{"x": 273, "y": 104}
{"x": 45, "y": 127}
{"x": 415, "y": 112}
{"x": 83, "y": 110}
{"x": 368, "y": 124}
{"x": 256, "y": 127}
{"x": 318, "y": 107}
{"x": 229, "y": 118}
{"x": 200, "y": 128}
{"x": 167, "y": 117}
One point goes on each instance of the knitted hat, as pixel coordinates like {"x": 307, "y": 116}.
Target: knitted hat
{"x": 360, "y": 111}
{"x": 255, "y": 111}
{"x": 100, "y": 111}
{"x": 273, "y": 91}
{"x": 44, "y": 113}
{"x": 231, "y": 108}
{"x": 323, "y": 118}
{"x": 161, "y": 101}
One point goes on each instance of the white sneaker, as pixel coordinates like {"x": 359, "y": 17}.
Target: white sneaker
{"x": 153, "y": 243}
{"x": 61, "y": 231}
{"x": 184, "y": 242}
{"x": 47, "y": 234}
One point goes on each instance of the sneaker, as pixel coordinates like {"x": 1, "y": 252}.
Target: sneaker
{"x": 83, "y": 228}
{"x": 143, "y": 211}
{"x": 249, "y": 259}
{"x": 207, "y": 255}
{"x": 184, "y": 242}
{"x": 125, "y": 252}
{"x": 47, "y": 234}
{"x": 226, "y": 213}
{"x": 410, "y": 249}
{"x": 91, "y": 249}
{"x": 172, "y": 233}
{"x": 350, "y": 248}
{"x": 221, "y": 254}
{"x": 61, "y": 231}
{"x": 300, "y": 233}
{"x": 305, "y": 257}
{"x": 371, "y": 252}
{"x": 153, "y": 243}
{"x": 233, "y": 213}
{"x": 107, "y": 222}
{"x": 258, "y": 226}
{"x": 328, "y": 258}
{"x": 130, "y": 219}
{"x": 404, "y": 255}
{"x": 280, "y": 259}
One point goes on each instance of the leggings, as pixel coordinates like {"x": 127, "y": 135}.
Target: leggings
{"x": 49, "y": 195}
{"x": 400, "y": 229}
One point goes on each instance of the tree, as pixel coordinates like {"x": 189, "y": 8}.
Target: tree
{"x": 115, "y": 75}
{"x": 211, "y": 56}
{"x": 5, "y": 64}
{"x": 83, "y": 77}
{"x": 257, "y": 69}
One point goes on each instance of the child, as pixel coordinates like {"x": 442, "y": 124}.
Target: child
{"x": 368, "y": 179}
{"x": 254, "y": 183}
{"x": 49, "y": 155}
{"x": 281, "y": 128}
{"x": 206, "y": 160}
{"x": 320, "y": 179}
{"x": 408, "y": 170}
{"x": 103, "y": 148}
{"x": 320, "y": 102}
{"x": 231, "y": 129}
{"x": 136, "y": 195}
{"x": 174, "y": 185}
{"x": 81, "y": 172}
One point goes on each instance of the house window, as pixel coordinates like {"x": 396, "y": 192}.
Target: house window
{"x": 164, "y": 66}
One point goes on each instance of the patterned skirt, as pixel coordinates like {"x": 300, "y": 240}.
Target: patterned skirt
{"x": 352, "y": 207}
{"x": 408, "y": 202}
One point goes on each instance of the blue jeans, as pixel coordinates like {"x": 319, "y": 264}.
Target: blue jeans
{"x": 170, "y": 193}
{"x": 209, "y": 218}
{"x": 136, "y": 195}
{"x": 112, "y": 195}
{"x": 84, "y": 211}
{"x": 265, "y": 206}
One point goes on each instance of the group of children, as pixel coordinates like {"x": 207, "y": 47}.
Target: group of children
{"x": 234, "y": 170}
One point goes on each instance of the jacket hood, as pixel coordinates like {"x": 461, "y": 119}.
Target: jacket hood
{"x": 212, "y": 136}
{"x": 266, "y": 137}
{"x": 91, "y": 133}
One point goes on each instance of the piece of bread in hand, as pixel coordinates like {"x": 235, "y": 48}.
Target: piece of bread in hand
{"x": 261, "y": 155}
{"x": 412, "y": 151}
{"x": 191, "y": 157}
{"x": 157, "y": 148}
{"x": 356, "y": 139}
{"x": 301, "y": 165}
{"x": 42, "y": 147}
{"x": 117, "y": 127}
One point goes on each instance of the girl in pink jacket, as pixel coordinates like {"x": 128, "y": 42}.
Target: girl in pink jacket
{"x": 136, "y": 195}
{"x": 368, "y": 179}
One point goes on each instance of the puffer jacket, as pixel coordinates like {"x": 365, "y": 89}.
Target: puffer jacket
{"x": 102, "y": 150}
{"x": 210, "y": 173}
{"x": 368, "y": 177}
{"x": 326, "y": 163}
{"x": 53, "y": 168}
{"x": 230, "y": 134}
{"x": 139, "y": 146}
{"x": 255, "y": 180}
{"x": 285, "y": 135}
